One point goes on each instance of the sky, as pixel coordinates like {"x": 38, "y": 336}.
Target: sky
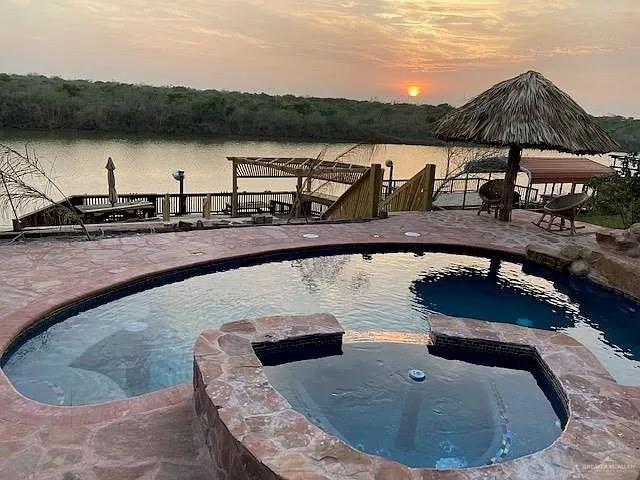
{"x": 364, "y": 49}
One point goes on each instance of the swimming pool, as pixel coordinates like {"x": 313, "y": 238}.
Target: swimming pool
{"x": 461, "y": 414}
{"x": 143, "y": 341}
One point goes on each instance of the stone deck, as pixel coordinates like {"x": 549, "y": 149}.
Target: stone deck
{"x": 133, "y": 438}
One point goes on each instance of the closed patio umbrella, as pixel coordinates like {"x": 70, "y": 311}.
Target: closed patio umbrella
{"x": 111, "y": 180}
{"x": 527, "y": 111}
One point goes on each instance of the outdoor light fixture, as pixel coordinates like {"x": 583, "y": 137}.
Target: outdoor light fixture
{"x": 178, "y": 175}
{"x": 389, "y": 164}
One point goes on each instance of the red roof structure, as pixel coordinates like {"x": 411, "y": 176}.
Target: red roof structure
{"x": 562, "y": 169}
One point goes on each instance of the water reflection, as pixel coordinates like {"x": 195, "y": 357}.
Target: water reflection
{"x": 485, "y": 294}
{"x": 104, "y": 352}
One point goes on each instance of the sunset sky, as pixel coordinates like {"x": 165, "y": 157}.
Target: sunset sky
{"x": 451, "y": 50}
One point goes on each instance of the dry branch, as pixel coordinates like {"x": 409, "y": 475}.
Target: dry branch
{"x": 27, "y": 184}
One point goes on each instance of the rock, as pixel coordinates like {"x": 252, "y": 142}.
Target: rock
{"x": 183, "y": 226}
{"x": 547, "y": 256}
{"x": 579, "y": 268}
{"x": 626, "y": 240}
{"x": 633, "y": 252}
{"x": 619, "y": 240}
{"x": 592, "y": 257}
{"x": 571, "y": 251}
{"x": 621, "y": 274}
{"x": 606, "y": 238}
{"x": 635, "y": 230}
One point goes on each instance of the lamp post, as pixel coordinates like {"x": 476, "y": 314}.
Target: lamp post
{"x": 389, "y": 164}
{"x": 182, "y": 204}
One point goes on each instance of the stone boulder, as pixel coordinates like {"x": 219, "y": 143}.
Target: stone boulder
{"x": 618, "y": 240}
{"x": 548, "y": 256}
{"x": 634, "y": 252}
{"x": 571, "y": 251}
{"x": 579, "y": 268}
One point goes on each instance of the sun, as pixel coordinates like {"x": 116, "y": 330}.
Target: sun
{"x": 413, "y": 90}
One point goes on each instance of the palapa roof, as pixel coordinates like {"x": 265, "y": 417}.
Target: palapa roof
{"x": 270, "y": 167}
{"x": 546, "y": 170}
{"x": 528, "y": 111}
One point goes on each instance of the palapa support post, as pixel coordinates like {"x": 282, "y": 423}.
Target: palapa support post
{"x": 234, "y": 189}
{"x": 429, "y": 183}
{"x": 206, "y": 207}
{"x": 375, "y": 188}
{"x": 166, "y": 208}
{"x": 513, "y": 167}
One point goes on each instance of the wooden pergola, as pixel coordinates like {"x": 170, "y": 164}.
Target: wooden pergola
{"x": 292, "y": 167}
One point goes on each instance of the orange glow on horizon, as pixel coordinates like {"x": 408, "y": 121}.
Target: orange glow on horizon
{"x": 413, "y": 90}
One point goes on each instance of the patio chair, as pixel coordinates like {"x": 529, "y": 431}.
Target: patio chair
{"x": 491, "y": 196}
{"x": 560, "y": 209}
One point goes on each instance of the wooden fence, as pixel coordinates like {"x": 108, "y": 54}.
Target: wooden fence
{"x": 415, "y": 194}
{"x": 361, "y": 200}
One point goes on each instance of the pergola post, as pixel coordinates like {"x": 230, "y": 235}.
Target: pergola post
{"x": 206, "y": 207}
{"x": 234, "y": 189}
{"x": 513, "y": 167}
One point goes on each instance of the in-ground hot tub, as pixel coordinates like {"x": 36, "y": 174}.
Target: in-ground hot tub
{"x": 461, "y": 413}
{"x": 249, "y": 430}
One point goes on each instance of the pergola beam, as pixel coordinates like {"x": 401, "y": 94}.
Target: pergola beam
{"x": 259, "y": 167}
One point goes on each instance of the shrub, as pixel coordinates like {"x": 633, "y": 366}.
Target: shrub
{"x": 619, "y": 194}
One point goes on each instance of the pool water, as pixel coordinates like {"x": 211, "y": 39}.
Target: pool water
{"x": 143, "y": 341}
{"x": 461, "y": 415}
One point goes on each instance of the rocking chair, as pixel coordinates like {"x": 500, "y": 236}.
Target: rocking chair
{"x": 560, "y": 209}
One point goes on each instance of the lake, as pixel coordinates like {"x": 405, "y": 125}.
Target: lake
{"x": 144, "y": 164}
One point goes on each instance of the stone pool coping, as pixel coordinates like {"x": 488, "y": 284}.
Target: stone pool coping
{"x": 251, "y": 432}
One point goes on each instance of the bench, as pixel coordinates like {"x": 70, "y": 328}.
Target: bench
{"x": 248, "y": 208}
{"x": 135, "y": 210}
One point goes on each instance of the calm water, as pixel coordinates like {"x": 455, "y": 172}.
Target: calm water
{"x": 144, "y": 341}
{"x": 144, "y": 164}
{"x": 461, "y": 415}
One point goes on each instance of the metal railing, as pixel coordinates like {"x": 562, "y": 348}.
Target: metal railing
{"x": 463, "y": 186}
{"x": 193, "y": 202}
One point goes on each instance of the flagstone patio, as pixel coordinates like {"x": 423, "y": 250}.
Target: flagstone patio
{"x": 150, "y": 437}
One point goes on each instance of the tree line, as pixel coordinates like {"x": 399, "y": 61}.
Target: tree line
{"x": 36, "y": 102}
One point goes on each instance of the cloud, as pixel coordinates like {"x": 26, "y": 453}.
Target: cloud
{"x": 340, "y": 47}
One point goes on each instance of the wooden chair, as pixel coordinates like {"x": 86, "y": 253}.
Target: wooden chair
{"x": 560, "y": 209}
{"x": 491, "y": 196}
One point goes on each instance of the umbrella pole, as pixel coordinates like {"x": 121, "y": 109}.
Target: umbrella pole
{"x": 513, "y": 167}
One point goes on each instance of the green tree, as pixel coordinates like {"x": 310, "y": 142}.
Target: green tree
{"x": 619, "y": 194}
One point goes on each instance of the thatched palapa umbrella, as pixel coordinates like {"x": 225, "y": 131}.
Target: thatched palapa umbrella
{"x": 111, "y": 181}
{"x": 527, "y": 111}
